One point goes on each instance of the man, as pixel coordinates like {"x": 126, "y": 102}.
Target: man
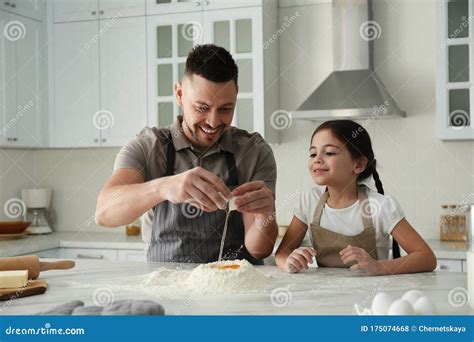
{"x": 184, "y": 174}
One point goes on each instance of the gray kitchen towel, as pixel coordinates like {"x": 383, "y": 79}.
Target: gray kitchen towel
{"x": 119, "y": 308}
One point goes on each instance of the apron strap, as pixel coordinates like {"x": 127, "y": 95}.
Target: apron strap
{"x": 319, "y": 208}
{"x": 170, "y": 156}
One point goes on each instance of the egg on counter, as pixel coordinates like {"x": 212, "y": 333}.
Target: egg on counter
{"x": 401, "y": 307}
{"x": 381, "y": 303}
{"x": 412, "y": 296}
{"x": 423, "y": 306}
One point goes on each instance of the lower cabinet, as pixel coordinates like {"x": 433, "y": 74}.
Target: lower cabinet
{"x": 93, "y": 254}
{"x": 450, "y": 265}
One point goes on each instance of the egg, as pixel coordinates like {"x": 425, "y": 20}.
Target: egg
{"x": 381, "y": 303}
{"x": 401, "y": 307}
{"x": 232, "y": 205}
{"x": 412, "y": 296}
{"x": 423, "y": 306}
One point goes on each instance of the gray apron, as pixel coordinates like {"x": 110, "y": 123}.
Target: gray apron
{"x": 181, "y": 233}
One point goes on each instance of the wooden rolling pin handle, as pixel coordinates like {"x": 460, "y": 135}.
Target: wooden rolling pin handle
{"x": 56, "y": 265}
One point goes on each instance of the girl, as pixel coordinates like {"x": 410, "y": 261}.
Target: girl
{"x": 349, "y": 224}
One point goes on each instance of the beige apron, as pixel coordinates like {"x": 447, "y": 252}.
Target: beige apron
{"x": 328, "y": 244}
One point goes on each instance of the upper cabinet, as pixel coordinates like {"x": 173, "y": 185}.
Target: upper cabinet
{"x": 455, "y": 65}
{"x": 241, "y": 31}
{"x": 32, "y": 9}
{"x": 99, "y": 79}
{"x": 22, "y": 90}
{"x": 180, "y": 6}
{"x": 81, "y": 10}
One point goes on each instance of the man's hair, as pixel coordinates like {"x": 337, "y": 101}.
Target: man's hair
{"x": 212, "y": 62}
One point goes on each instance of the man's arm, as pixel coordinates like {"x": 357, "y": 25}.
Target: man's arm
{"x": 125, "y": 197}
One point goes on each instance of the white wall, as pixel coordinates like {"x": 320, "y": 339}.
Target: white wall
{"x": 418, "y": 169}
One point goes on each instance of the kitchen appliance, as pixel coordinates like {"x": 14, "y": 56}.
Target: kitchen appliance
{"x": 37, "y": 210}
{"x": 353, "y": 89}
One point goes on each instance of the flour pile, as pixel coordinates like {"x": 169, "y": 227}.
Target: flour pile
{"x": 226, "y": 277}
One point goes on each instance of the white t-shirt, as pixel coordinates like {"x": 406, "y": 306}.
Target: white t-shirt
{"x": 385, "y": 210}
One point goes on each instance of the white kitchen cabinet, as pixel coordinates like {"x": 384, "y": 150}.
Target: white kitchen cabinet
{"x": 449, "y": 265}
{"x": 32, "y": 9}
{"x": 88, "y": 253}
{"x": 75, "y": 10}
{"x": 131, "y": 255}
{"x": 179, "y": 6}
{"x": 122, "y": 79}
{"x": 22, "y": 87}
{"x": 76, "y": 85}
{"x": 80, "y": 10}
{"x": 100, "y": 82}
{"x": 121, "y": 8}
{"x": 455, "y": 70}
{"x": 241, "y": 31}
{"x": 54, "y": 253}
{"x": 464, "y": 266}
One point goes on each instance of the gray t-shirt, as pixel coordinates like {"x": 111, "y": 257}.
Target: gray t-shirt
{"x": 147, "y": 154}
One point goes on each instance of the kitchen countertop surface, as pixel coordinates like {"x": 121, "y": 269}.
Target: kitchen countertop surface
{"x": 323, "y": 291}
{"x": 33, "y": 243}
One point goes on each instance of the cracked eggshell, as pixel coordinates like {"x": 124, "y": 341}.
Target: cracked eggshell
{"x": 232, "y": 205}
{"x": 401, "y": 307}
{"x": 381, "y": 303}
{"x": 412, "y": 296}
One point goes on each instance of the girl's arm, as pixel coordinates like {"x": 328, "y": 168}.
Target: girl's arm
{"x": 420, "y": 257}
{"x": 289, "y": 257}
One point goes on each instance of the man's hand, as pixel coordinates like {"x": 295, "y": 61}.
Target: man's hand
{"x": 198, "y": 187}
{"x": 255, "y": 197}
{"x": 364, "y": 261}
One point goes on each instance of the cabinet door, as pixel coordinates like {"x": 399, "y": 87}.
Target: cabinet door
{"x": 172, "y": 6}
{"x": 76, "y": 89}
{"x": 122, "y": 81}
{"x": 240, "y": 32}
{"x": 170, "y": 39}
{"x": 4, "y": 71}
{"x": 88, "y": 253}
{"x": 225, "y": 4}
{"x": 27, "y": 68}
{"x": 449, "y": 265}
{"x": 131, "y": 255}
{"x": 31, "y": 8}
{"x": 75, "y": 10}
{"x": 121, "y": 8}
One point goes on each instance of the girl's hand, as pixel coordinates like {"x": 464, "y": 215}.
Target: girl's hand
{"x": 364, "y": 261}
{"x": 299, "y": 259}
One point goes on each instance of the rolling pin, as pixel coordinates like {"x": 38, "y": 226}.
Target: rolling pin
{"x": 33, "y": 265}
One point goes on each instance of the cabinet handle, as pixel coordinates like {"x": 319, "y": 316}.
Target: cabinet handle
{"x": 443, "y": 267}
{"x": 90, "y": 256}
{"x": 206, "y": 3}
{"x": 94, "y": 12}
{"x": 197, "y": 3}
{"x": 15, "y": 139}
{"x": 96, "y": 140}
{"x": 7, "y": 4}
{"x": 103, "y": 140}
{"x": 101, "y": 12}
{"x": 9, "y": 139}
{"x": 13, "y": 6}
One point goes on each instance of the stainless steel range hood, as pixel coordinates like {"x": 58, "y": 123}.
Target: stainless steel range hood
{"x": 353, "y": 89}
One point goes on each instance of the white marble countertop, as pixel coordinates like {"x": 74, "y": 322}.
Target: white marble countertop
{"x": 322, "y": 291}
{"x": 34, "y": 243}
